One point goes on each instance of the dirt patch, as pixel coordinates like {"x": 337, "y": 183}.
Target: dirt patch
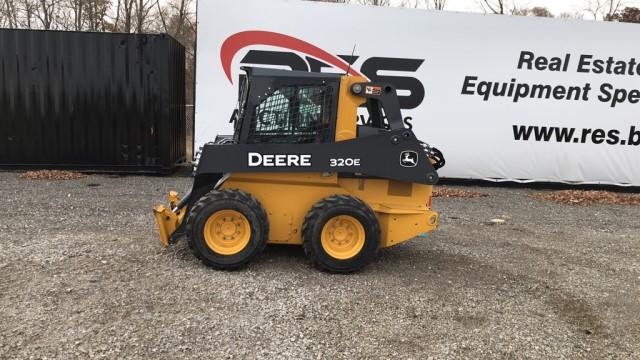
{"x": 577, "y": 312}
{"x": 445, "y": 192}
{"x": 585, "y": 198}
{"x": 52, "y": 175}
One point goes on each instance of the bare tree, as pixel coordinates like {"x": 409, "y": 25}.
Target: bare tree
{"x": 495, "y": 6}
{"x": 499, "y": 7}
{"x": 116, "y": 18}
{"x": 439, "y": 4}
{"x": 134, "y": 15}
{"x": 429, "y": 4}
{"x": 605, "y": 9}
{"x": 538, "y": 11}
{"x": 181, "y": 24}
{"x": 415, "y": 4}
{"x": 125, "y": 15}
{"x": 143, "y": 12}
{"x": 629, "y": 15}
{"x": 411, "y": 3}
{"x": 3, "y": 15}
{"x": 46, "y": 13}
{"x": 17, "y": 13}
{"x": 375, "y": 2}
{"x": 593, "y": 8}
{"x": 95, "y": 14}
{"x": 28, "y": 9}
{"x": 611, "y": 8}
{"x": 74, "y": 17}
{"x": 182, "y": 17}
{"x": 178, "y": 14}
{"x": 10, "y": 13}
{"x": 571, "y": 15}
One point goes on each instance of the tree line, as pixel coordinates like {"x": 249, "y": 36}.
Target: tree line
{"x": 128, "y": 16}
{"x": 607, "y": 10}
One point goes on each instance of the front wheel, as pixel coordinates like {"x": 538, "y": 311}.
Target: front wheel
{"x": 227, "y": 228}
{"x": 341, "y": 234}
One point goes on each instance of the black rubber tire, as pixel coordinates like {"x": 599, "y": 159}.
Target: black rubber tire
{"x": 328, "y": 208}
{"x": 222, "y": 200}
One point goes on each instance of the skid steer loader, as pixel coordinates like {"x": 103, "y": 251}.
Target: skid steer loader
{"x": 300, "y": 170}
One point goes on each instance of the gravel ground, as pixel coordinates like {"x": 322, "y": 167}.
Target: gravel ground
{"x": 82, "y": 274}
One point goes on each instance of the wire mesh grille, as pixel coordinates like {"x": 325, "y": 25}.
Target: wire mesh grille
{"x": 293, "y": 115}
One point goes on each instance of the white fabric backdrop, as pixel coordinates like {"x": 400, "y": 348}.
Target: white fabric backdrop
{"x": 476, "y": 136}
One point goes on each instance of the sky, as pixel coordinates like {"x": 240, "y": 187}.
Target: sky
{"x": 555, "y": 6}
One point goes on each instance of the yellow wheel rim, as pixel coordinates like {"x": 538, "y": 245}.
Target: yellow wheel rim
{"x": 227, "y": 232}
{"x": 342, "y": 237}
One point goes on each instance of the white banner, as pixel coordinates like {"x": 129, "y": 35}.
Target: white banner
{"x": 503, "y": 97}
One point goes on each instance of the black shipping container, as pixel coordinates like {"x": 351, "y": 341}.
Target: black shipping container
{"x": 91, "y": 101}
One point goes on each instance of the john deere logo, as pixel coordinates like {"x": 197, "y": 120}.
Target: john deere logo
{"x": 409, "y": 158}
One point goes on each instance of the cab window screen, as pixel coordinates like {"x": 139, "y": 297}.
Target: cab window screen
{"x": 293, "y": 115}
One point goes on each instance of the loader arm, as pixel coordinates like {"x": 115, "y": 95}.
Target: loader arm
{"x": 383, "y": 155}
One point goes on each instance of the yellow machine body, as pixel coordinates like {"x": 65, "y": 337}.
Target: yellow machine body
{"x": 401, "y": 208}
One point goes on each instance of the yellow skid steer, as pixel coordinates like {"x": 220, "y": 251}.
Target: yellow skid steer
{"x": 300, "y": 170}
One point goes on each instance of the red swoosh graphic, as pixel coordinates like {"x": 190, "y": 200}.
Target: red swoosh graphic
{"x": 236, "y": 42}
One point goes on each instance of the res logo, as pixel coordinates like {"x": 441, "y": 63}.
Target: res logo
{"x": 315, "y": 59}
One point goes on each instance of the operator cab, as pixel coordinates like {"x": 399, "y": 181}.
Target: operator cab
{"x": 299, "y": 107}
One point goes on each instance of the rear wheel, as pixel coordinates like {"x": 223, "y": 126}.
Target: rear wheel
{"x": 227, "y": 228}
{"x": 341, "y": 234}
